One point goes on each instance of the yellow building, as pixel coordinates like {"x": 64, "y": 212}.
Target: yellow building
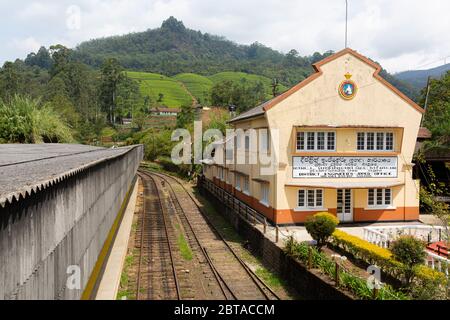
{"x": 345, "y": 141}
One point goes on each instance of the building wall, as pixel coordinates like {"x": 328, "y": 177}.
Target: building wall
{"x": 61, "y": 226}
{"x": 318, "y": 104}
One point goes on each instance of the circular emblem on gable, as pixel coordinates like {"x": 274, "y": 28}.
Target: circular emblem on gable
{"x": 347, "y": 88}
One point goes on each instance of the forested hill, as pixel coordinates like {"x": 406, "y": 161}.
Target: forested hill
{"x": 173, "y": 49}
{"x": 418, "y": 78}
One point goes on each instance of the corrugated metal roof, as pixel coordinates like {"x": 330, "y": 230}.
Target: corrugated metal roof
{"x": 26, "y": 169}
{"x": 256, "y": 111}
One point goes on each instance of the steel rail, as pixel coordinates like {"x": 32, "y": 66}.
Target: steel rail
{"x": 217, "y": 275}
{"x": 262, "y": 286}
{"x": 163, "y": 213}
{"x": 138, "y": 284}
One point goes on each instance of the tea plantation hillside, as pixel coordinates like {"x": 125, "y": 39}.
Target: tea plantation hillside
{"x": 199, "y": 86}
{"x": 179, "y": 90}
{"x": 153, "y": 84}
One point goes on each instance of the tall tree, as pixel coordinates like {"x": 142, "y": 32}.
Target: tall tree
{"x": 128, "y": 97}
{"x": 185, "y": 118}
{"x": 41, "y": 59}
{"x": 243, "y": 94}
{"x": 437, "y": 116}
{"x": 61, "y": 58}
{"x": 10, "y": 81}
{"x": 111, "y": 75}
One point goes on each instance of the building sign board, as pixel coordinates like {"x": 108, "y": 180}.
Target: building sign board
{"x": 344, "y": 167}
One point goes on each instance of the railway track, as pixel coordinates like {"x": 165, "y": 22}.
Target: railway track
{"x": 156, "y": 275}
{"x": 227, "y": 276}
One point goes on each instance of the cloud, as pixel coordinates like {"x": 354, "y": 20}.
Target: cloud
{"x": 25, "y": 46}
{"x": 38, "y": 10}
{"x": 399, "y": 34}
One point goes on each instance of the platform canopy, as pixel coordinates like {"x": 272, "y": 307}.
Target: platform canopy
{"x": 347, "y": 184}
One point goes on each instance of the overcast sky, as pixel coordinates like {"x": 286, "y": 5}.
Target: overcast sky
{"x": 400, "y": 34}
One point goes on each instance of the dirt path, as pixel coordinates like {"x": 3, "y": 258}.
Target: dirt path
{"x": 194, "y": 100}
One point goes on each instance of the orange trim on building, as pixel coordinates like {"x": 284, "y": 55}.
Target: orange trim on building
{"x": 398, "y": 214}
{"x": 318, "y": 73}
{"x": 290, "y": 216}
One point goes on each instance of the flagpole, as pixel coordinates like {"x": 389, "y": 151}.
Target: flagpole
{"x": 346, "y": 17}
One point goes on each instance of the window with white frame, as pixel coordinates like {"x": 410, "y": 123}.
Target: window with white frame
{"x": 265, "y": 194}
{"x": 379, "y": 198}
{"x": 247, "y": 142}
{"x": 265, "y": 140}
{"x": 316, "y": 141}
{"x": 229, "y": 153}
{"x": 221, "y": 173}
{"x": 237, "y": 141}
{"x": 310, "y": 198}
{"x": 246, "y": 185}
{"x": 238, "y": 181}
{"x": 379, "y": 141}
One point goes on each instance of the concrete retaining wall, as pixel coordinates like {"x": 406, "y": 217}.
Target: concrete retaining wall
{"x": 65, "y": 225}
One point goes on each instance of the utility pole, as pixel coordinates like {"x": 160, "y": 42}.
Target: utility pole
{"x": 274, "y": 87}
{"x": 426, "y": 99}
{"x": 346, "y": 22}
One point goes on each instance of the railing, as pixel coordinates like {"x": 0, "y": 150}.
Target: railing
{"x": 235, "y": 204}
{"x": 438, "y": 262}
{"x": 383, "y": 235}
{"x": 376, "y": 237}
{"x": 423, "y": 232}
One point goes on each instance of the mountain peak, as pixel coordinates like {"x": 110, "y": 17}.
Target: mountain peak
{"x": 172, "y": 24}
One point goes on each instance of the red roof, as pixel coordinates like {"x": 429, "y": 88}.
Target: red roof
{"x": 424, "y": 133}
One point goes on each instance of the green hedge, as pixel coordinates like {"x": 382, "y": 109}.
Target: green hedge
{"x": 373, "y": 254}
{"x": 356, "y": 285}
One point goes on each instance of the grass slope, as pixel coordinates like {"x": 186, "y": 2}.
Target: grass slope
{"x": 152, "y": 84}
{"x": 198, "y": 85}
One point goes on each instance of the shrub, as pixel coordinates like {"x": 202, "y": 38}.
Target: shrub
{"x": 167, "y": 164}
{"x": 366, "y": 251}
{"x": 383, "y": 258}
{"x": 25, "y": 120}
{"x": 108, "y": 132}
{"x": 321, "y": 226}
{"x": 353, "y": 283}
{"x": 410, "y": 251}
{"x": 157, "y": 144}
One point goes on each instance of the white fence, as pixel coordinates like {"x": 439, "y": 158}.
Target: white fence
{"x": 383, "y": 235}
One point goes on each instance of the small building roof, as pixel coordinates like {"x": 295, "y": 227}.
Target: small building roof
{"x": 165, "y": 109}
{"x": 424, "y": 133}
{"x": 173, "y": 110}
{"x": 251, "y": 113}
